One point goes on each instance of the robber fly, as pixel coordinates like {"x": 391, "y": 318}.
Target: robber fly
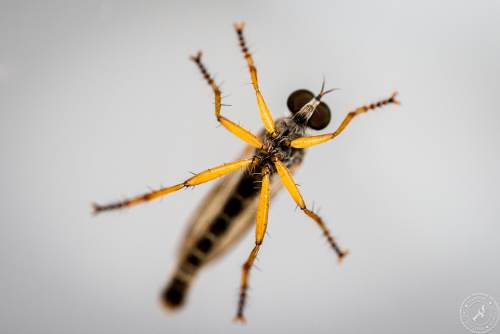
{"x": 243, "y": 197}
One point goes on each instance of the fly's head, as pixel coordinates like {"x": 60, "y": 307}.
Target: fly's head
{"x": 308, "y": 110}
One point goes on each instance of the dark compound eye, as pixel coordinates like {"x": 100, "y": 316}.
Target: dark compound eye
{"x": 298, "y": 99}
{"x": 321, "y": 116}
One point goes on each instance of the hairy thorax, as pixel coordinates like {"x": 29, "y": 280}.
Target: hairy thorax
{"x": 277, "y": 146}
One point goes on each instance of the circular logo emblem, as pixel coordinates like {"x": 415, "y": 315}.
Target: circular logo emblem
{"x": 479, "y": 313}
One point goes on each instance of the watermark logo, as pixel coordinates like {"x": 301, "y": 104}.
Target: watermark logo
{"x": 479, "y": 313}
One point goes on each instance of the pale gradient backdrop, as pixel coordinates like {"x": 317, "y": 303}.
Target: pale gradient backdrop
{"x": 98, "y": 100}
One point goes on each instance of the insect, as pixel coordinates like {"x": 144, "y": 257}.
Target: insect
{"x": 242, "y": 197}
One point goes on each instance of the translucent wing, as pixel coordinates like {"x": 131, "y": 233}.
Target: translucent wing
{"x": 223, "y": 218}
{"x": 212, "y": 206}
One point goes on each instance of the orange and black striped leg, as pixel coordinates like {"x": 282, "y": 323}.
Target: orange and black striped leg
{"x": 265, "y": 114}
{"x": 304, "y": 142}
{"x": 260, "y": 230}
{"x": 200, "y": 178}
{"x": 286, "y": 178}
{"x": 234, "y": 128}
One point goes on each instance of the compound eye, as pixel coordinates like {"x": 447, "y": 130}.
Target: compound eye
{"x": 320, "y": 118}
{"x": 298, "y": 99}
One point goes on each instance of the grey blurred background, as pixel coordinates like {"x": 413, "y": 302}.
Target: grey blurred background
{"x": 98, "y": 100}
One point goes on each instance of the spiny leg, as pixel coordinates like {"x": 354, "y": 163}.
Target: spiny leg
{"x": 290, "y": 185}
{"x": 197, "y": 179}
{"x": 304, "y": 142}
{"x": 234, "y": 128}
{"x": 260, "y": 230}
{"x": 265, "y": 114}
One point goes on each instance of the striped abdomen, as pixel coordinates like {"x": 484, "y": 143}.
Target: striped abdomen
{"x": 233, "y": 211}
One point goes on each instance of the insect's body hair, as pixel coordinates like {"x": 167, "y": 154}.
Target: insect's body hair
{"x": 277, "y": 145}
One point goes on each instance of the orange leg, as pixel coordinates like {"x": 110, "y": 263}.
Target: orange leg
{"x": 260, "y": 230}
{"x": 289, "y": 183}
{"x": 200, "y": 178}
{"x": 265, "y": 114}
{"x": 234, "y": 128}
{"x": 304, "y": 142}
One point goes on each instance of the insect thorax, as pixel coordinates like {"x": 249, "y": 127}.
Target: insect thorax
{"x": 276, "y": 146}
